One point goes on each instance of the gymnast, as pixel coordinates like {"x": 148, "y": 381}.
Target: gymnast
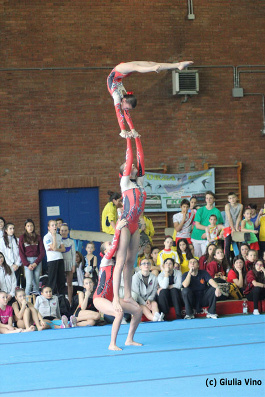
{"x": 125, "y": 101}
{"x": 103, "y": 295}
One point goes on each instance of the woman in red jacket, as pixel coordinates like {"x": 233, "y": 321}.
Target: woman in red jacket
{"x": 255, "y": 281}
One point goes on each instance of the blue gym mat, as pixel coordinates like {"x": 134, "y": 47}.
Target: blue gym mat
{"x": 201, "y": 357}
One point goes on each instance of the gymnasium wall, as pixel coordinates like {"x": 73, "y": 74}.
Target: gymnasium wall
{"x": 59, "y": 127}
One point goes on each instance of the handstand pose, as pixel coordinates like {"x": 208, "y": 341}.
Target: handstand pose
{"x": 125, "y": 101}
{"x": 104, "y": 293}
{"x": 134, "y": 196}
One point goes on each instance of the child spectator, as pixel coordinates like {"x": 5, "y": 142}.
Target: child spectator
{"x": 2, "y": 226}
{"x": 78, "y": 269}
{"x": 86, "y": 313}
{"x": 155, "y": 269}
{"x": 68, "y": 258}
{"x": 252, "y": 256}
{"x": 169, "y": 294}
{"x": 233, "y": 217}
{"x": 109, "y": 213}
{"x": 54, "y": 249}
{"x": 167, "y": 252}
{"x": 25, "y": 313}
{"x": 144, "y": 284}
{"x": 48, "y": 307}
{"x": 147, "y": 227}
{"x": 260, "y": 221}
{"x": 247, "y": 226}
{"x": 91, "y": 269}
{"x": 59, "y": 222}
{"x": 196, "y": 293}
{"x": 184, "y": 253}
{"x": 238, "y": 273}
{"x": 206, "y": 258}
{"x": 8, "y": 280}
{"x": 255, "y": 280}
{"x": 146, "y": 253}
{"x": 9, "y": 248}
{"x": 31, "y": 251}
{"x": 244, "y": 248}
{"x": 183, "y": 222}
{"x": 213, "y": 232}
{"x": 6, "y": 316}
{"x": 217, "y": 265}
{"x": 202, "y": 221}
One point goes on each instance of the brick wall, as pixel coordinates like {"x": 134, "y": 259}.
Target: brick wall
{"x": 60, "y": 124}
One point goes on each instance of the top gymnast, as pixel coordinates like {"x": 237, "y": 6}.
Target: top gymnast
{"x": 132, "y": 178}
{"x": 125, "y": 101}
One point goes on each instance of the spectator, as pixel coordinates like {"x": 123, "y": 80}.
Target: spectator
{"x": 10, "y": 250}
{"x": 78, "y": 270}
{"x": 144, "y": 284}
{"x": 254, "y": 213}
{"x": 202, "y": 221}
{"x": 86, "y": 313}
{"x": 68, "y": 258}
{"x": 54, "y": 249}
{"x": 147, "y": 227}
{"x": 8, "y": 280}
{"x": 247, "y": 226}
{"x": 183, "y": 222}
{"x": 91, "y": 262}
{"x": 244, "y": 248}
{"x": 255, "y": 281}
{"x": 167, "y": 252}
{"x": 196, "y": 293}
{"x": 238, "y": 273}
{"x": 260, "y": 221}
{"x": 169, "y": 294}
{"x": 2, "y": 226}
{"x": 233, "y": 212}
{"x": 205, "y": 259}
{"x": 213, "y": 232}
{"x": 146, "y": 253}
{"x": 217, "y": 266}
{"x": 251, "y": 258}
{"x": 31, "y": 251}
{"x": 109, "y": 214}
{"x": 6, "y": 316}
{"x": 59, "y": 222}
{"x": 155, "y": 269}
{"x": 184, "y": 253}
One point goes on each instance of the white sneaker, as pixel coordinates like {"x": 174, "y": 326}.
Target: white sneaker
{"x": 256, "y": 312}
{"x": 161, "y": 317}
{"x": 210, "y": 315}
{"x": 156, "y": 317}
{"x": 187, "y": 317}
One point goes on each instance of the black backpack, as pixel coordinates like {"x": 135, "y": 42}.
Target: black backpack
{"x": 64, "y": 306}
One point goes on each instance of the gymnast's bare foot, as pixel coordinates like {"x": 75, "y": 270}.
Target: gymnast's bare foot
{"x": 30, "y": 329}
{"x": 117, "y": 306}
{"x": 114, "y": 347}
{"x": 130, "y": 342}
{"x": 132, "y": 301}
{"x": 183, "y": 65}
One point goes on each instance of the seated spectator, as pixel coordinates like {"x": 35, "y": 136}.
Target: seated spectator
{"x": 237, "y": 274}
{"x": 205, "y": 259}
{"x": 183, "y": 222}
{"x": 25, "y": 313}
{"x": 169, "y": 281}
{"x": 144, "y": 284}
{"x": 146, "y": 253}
{"x": 86, "y": 313}
{"x": 10, "y": 250}
{"x": 244, "y": 248}
{"x": 109, "y": 214}
{"x": 217, "y": 265}
{"x": 147, "y": 227}
{"x": 8, "y": 281}
{"x": 68, "y": 258}
{"x": 54, "y": 248}
{"x": 167, "y": 252}
{"x": 78, "y": 269}
{"x": 255, "y": 289}
{"x": 155, "y": 269}
{"x": 251, "y": 257}
{"x": 31, "y": 251}
{"x": 2, "y": 226}
{"x": 91, "y": 262}
{"x": 184, "y": 253}
{"x": 47, "y": 305}
{"x": 6, "y": 316}
{"x": 196, "y": 293}
{"x": 202, "y": 221}
{"x": 247, "y": 226}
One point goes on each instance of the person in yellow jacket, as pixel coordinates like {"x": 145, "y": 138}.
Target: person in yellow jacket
{"x": 147, "y": 227}
{"x": 109, "y": 214}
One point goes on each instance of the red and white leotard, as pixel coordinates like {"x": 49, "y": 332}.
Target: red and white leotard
{"x": 116, "y": 89}
{"x": 105, "y": 278}
{"x": 133, "y": 192}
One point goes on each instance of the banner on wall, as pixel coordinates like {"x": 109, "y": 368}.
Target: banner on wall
{"x": 166, "y": 191}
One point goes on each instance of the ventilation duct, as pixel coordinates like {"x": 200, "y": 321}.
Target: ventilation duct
{"x": 185, "y": 82}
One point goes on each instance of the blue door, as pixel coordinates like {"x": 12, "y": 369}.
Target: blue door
{"x": 78, "y": 207}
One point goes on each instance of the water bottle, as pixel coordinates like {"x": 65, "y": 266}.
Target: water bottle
{"x": 245, "y": 306}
